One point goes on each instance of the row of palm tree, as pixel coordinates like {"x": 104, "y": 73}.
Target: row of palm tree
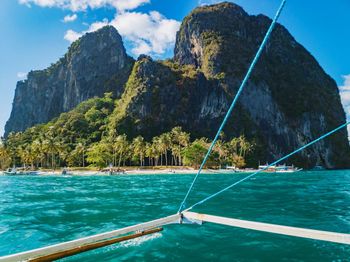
{"x": 164, "y": 149}
{"x": 46, "y": 150}
{"x": 172, "y": 148}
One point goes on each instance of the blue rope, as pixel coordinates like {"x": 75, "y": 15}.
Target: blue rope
{"x": 274, "y": 163}
{"x": 234, "y": 102}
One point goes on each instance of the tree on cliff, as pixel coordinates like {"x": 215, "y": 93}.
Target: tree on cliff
{"x": 5, "y": 158}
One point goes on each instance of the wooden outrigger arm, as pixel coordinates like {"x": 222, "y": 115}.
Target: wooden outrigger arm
{"x": 270, "y": 228}
{"x": 80, "y": 249}
{"x": 70, "y": 248}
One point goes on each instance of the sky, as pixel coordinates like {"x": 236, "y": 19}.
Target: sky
{"x": 36, "y": 33}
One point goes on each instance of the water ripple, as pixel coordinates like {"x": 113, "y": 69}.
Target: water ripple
{"x": 39, "y": 211}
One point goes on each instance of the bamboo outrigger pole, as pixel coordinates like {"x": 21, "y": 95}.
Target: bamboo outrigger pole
{"x": 70, "y": 248}
{"x": 88, "y": 247}
{"x": 270, "y": 228}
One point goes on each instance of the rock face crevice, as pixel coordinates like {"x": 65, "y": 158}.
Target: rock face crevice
{"x": 95, "y": 64}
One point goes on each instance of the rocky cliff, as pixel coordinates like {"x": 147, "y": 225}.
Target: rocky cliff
{"x": 94, "y": 64}
{"x": 288, "y": 101}
{"x": 161, "y": 94}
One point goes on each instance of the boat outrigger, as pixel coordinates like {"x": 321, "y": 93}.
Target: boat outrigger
{"x": 184, "y": 215}
{"x": 10, "y": 172}
{"x": 266, "y": 168}
{"x": 18, "y": 172}
{"x": 280, "y": 168}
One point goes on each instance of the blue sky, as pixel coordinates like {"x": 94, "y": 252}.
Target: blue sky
{"x": 35, "y": 33}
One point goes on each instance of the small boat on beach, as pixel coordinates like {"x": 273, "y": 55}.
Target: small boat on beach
{"x": 10, "y": 172}
{"x": 112, "y": 171}
{"x": 263, "y": 168}
{"x": 19, "y": 172}
{"x": 65, "y": 172}
{"x": 279, "y": 168}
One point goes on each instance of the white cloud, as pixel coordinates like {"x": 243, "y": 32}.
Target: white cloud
{"x": 70, "y": 18}
{"x": 208, "y": 2}
{"x": 345, "y": 97}
{"x": 71, "y": 36}
{"x": 346, "y": 84}
{"x": 122, "y": 5}
{"x": 345, "y": 93}
{"x": 82, "y": 5}
{"x": 148, "y": 33}
{"x": 21, "y": 75}
{"x": 97, "y": 25}
{"x": 141, "y": 47}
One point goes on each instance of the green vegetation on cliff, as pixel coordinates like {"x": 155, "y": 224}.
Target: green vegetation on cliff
{"x": 133, "y": 86}
{"x": 80, "y": 138}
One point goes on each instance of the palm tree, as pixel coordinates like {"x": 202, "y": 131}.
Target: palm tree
{"x": 149, "y": 153}
{"x": 99, "y": 153}
{"x": 175, "y": 146}
{"x": 112, "y": 137}
{"x": 176, "y": 153}
{"x": 241, "y": 145}
{"x": 221, "y": 149}
{"x": 244, "y": 146}
{"x": 184, "y": 141}
{"x": 164, "y": 144}
{"x": 51, "y": 145}
{"x": 237, "y": 149}
{"x": 121, "y": 145}
{"x": 5, "y": 159}
{"x": 63, "y": 151}
{"x": 156, "y": 149}
{"x": 234, "y": 144}
{"x": 81, "y": 149}
{"x": 180, "y": 140}
{"x": 238, "y": 161}
{"x": 12, "y": 144}
{"x": 38, "y": 151}
{"x": 139, "y": 148}
{"x": 24, "y": 154}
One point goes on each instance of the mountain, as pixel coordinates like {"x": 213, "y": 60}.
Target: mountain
{"x": 95, "y": 64}
{"x": 288, "y": 101}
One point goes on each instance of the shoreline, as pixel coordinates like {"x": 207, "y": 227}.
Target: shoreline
{"x": 126, "y": 171}
{"x": 160, "y": 170}
{"x": 129, "y": 171}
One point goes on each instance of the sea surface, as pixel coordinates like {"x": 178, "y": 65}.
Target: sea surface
{"x": 39, "y": 211}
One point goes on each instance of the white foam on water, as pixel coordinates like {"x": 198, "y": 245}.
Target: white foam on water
{"x": 140, "y": 240}
{"x": 3, "y": 230}
{"x": 133, "y": 242}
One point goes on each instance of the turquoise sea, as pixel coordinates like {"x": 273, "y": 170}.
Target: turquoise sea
{"x": 39, "y": 211}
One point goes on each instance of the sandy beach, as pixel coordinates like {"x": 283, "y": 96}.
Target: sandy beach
{"x": 126, "y": 171}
